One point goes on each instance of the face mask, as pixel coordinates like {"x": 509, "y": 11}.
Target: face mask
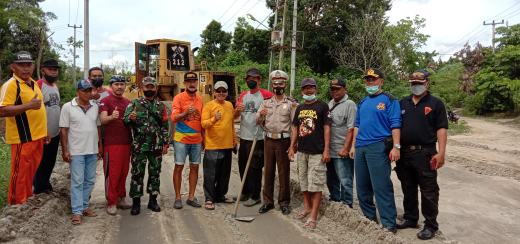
{"x": 149, "y": 93}
{"x": 418, "y": 89}
{"x": 251, "y": 84}
{"x": 97, "y": 82}
{"x": 191, "y": 91}
{"x": 371, "y": 89}
{"x": 309, "y": 98}
{"x": 278, "y": 90}
{"x": 50, "y": 79}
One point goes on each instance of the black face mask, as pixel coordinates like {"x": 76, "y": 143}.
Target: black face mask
{"x": 251, "y": 84}
{"x": 149, "y": 94}
{"x": 97, "y": 82}
{"x": 278, "y": 90}
{"x": 50, "y": 79}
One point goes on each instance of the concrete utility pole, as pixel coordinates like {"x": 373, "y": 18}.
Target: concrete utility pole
{"x": 493, "y": 24}
{"x": 74, "y": 52}
{"x": 275, "y": 24}
{"x": 282, "y": 36}
{"x": 86, "y": 47}
{"x": 293, "y": 47}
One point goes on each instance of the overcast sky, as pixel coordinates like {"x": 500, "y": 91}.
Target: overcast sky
{"x": 116, "y": 24}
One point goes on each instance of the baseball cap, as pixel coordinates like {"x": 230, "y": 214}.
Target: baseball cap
{"x": 149, "y": 81}
{"x": 220, "y": 84}
{"x": 278, "y": 75}
{"x": 419, "y": 76}
{"x": 189, "y": 76}
{"x": 338, "y": 82}
{"x": 83, "y": 85}
{"x": 308, "y": 82}
{"x": 50, "y": 63}
{"x": 253, "y": 72}
{"x": 116, "y": 78}
{"x": 374, "y": 73}
{"x": 22, "y": 57}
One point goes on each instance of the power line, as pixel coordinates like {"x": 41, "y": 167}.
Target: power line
{"x": 233, "y": 16}
{"x": 69, "y": 14}
{"x": 77, "y": 12}
{"x": 227, "y": 10}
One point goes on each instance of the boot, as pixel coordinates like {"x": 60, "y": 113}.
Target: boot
{"x": 136, "y": 206}
{"x": 152, "y": 204}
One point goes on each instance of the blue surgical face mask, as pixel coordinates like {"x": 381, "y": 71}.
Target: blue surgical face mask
{"x": 309, "y": 98}
{"x": 372, "y": 89}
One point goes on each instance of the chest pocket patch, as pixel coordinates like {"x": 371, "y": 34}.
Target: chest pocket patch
{"x": 427, "y": 110}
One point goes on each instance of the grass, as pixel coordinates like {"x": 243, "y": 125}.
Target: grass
{"x": 4, "y": 172}
{"x": 458, "y": 128}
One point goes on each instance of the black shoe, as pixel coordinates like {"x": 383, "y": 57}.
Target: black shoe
{"x": 265, "y": 208}
{"x": 426, "y": 233}
{"x": 136, "y": 206}
{"x": 286, "y": 210}
{"x": 406, "y": 224}
{"x": 391, "y": 230}
{"x": 152, "y": 204}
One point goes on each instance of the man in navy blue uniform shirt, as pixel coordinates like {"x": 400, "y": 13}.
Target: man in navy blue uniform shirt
{"x": 377, "y": 124}
{"x": 424, "y": 123}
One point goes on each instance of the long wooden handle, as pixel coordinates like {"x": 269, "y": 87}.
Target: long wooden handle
{"x": 245, "y": 174}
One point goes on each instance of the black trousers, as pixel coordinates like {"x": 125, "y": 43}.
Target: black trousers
{"x": 217, "y": 169}
{"x": 42, "y": 177}
{"x": 413, "y": 170}
{"x": 253, "y": 184}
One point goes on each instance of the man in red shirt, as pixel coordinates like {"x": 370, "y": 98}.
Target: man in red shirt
{"x": 116, "y": 142}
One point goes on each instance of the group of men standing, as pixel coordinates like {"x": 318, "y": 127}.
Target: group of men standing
{"x": 332, "y": 142}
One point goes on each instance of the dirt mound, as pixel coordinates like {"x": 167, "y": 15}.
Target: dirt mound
{"x": 485, "y": 168}
{"x": 43, "y": 219}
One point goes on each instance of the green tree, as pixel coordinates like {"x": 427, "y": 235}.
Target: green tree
{"x": 253, "y": 42}
{"x": 215, "y": 42}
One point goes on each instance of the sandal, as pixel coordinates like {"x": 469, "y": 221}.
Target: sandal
{"x": 209, "y": 205}
{"x": 311, "y": 224}
{"x": 89, "y": 213}
{"x": 76, "y": 219}
{"x": 302, "y": 214}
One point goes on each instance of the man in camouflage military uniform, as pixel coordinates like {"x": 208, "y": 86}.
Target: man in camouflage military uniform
{"x": 148, "y": 120}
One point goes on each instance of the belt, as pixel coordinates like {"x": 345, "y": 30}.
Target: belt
{"x": 277, "y": 135}
{"x": 418, "y": 147}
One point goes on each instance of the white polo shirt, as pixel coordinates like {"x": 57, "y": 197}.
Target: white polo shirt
{"x": 83, "y": 132}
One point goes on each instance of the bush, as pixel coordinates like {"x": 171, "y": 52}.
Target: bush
{"x": 493, "y": 93}
{"x": 445, "y": 84}
{"x": 5, "y": 169}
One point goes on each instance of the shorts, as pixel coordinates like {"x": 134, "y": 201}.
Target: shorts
{"x": 312, "y": 173}
{"x": 184, "y": 150}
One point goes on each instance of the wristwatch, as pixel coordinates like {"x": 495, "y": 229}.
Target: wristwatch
{"x": 397, "y": 146}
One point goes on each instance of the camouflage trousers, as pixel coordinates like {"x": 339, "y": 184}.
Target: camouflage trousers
{"x": 139, "y": 161}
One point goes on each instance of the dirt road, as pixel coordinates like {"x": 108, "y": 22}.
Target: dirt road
{"x": 479, "y": 203}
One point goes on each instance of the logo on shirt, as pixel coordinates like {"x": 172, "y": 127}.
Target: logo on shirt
{"x": 381, "y": 106}
{"x": 403, "y": 111}
{"x": 427, "y": 110}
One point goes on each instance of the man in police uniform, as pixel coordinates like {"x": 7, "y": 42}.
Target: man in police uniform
{"x": 148, "y": 120}
{"x": 275, "y": 115}
{"x": 424, "y": 123}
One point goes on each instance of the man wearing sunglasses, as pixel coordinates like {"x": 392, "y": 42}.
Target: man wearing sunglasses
{"x": 340, "y": 170}
{"x": 275, "y": 116}
{"x": 424, "y": 124}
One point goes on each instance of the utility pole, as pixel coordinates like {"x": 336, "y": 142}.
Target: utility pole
{"x": 280, "y": 56}
{"x": 74, "y": 52}
{"x": 86, "y": 47}
{"x": 275, "y": 24}
{"x": 293, "y": 47}
{"x": 493, "y": 24}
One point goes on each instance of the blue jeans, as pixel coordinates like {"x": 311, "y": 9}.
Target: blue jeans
{"x": 184, "y": 150}
{"x": 373, "y": 169}
{"x": 340, "y": 176}
{"x": 82, "y": 179}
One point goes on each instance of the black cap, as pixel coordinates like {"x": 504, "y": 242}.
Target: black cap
{"x": 116, "y": 78}
{"x": 50, "y": 63}
{"x": 308, "y": 82}
{"x": 23, "y": 57}
{"x": 338, "y": 82}
{"x": 419, "y": 76}
{"x": 254, "y": 72}
{"x": 374, "y": 73}
{"x": 189, "y": 76}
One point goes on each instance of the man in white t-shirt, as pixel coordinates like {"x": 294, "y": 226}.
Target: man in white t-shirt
{"x": 81, "y": 147}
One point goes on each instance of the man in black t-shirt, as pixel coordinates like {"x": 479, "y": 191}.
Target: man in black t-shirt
{"x": 424, "y": 123}
{"x": 311, "y": 130}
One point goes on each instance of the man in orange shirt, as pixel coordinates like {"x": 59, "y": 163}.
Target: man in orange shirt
{"x": 186, "y": 114}
{"x": 21, "y": 102}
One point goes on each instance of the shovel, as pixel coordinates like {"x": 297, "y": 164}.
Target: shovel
{"x": 245, "y": 218}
